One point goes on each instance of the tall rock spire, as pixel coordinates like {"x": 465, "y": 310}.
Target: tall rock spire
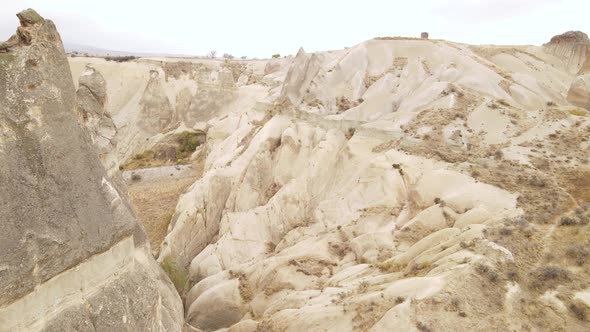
{"x": 71, "y": 253}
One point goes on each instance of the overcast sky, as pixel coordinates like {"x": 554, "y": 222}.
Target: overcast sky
{"x": 260, "y": 28}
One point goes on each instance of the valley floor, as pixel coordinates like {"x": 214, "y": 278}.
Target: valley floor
{"x": 154, "y": 193}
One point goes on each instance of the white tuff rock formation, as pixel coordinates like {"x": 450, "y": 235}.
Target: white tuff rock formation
{"x": 388, "y": 185}
{"x": 402, "y": 184}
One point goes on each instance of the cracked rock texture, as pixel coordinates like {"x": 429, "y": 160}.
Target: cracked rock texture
{"x": 72, "y": 256}
{"x": 400, "y": 184}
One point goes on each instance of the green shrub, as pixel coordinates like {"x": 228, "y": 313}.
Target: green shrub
{"x": 168, "y": 217}
{"x": 177, "y": 275}
{"x": 145, "y": 155}
{"x": 275, "y": 56}
{"x": 120, "y": 58}
{"x": 578, "y": 112}
{"x": 187, "y": 144}
{"x": 141, "y": 160}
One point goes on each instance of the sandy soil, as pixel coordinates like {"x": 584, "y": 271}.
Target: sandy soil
{"x": 155, "y": 195}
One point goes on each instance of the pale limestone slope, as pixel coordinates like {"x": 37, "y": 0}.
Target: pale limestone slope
{"x": 377, "y": 188}
{"x": 149, "y": 98}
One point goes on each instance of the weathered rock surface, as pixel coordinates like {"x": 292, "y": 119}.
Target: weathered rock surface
{"x": 402, "y": 183}
{"x": 271, "y": 67}
{"x": 155, "y": 109}
{"x": 304, "y": 68}
{"x": 398, "y": 184}
{"x": 72, "y": 256}
{"x": 91, "y": 100}
{"x": 579, "y": 92}
{"x": 572, "y": 46}
{"x": 209, "y": 100}
{"x": 149, "y": 98}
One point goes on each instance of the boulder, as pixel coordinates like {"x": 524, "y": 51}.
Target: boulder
{"x": 29, "y": 17}
{"x": 208, "y": 100}
{"x": 218, "y": 307}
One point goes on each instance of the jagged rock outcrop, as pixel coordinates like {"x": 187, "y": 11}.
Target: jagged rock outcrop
{"x": 572, "y": 46}
{"x": 425, "y": 199}
{"x": 272, "y": 66}
{"x": 72, "y": 256}
{"x": 148, "y": 98}
{"x": 91, "y": 100}
{"x": 579, "y": 91}
{"x": 226, "y": 79}
{"x": 304, "y": 68}
{"x": 208, "y": 100}
{"x": 400, "y": 184}
{"x": 155, "y": 110}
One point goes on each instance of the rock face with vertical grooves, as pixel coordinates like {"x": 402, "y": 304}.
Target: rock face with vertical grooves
{"x": 572, "y": 46}
{"x": 402, "y": 184}
{"x": 72, "y": 257}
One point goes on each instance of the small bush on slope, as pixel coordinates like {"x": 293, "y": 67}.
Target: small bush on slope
{"x": 187, "y": 144}
{"x": 177, "y": 276}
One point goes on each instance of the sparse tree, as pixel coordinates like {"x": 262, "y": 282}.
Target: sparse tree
{"x": 228, "y": 56}
{"x": 212, "y": 54}
{"x": 244, "y": 57}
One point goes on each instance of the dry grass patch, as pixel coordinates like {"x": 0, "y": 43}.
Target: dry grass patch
{"x": 579, "y": 253}
{"x": 176, "y": 274}
{"x": 548, "y": 277}
{"x": 145, "y": 159}
{"x": 154, "y": 203}
{"x": 343, "y": 104}
{"x": 390, "y": 267}
{"x": 370, "y": 79}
